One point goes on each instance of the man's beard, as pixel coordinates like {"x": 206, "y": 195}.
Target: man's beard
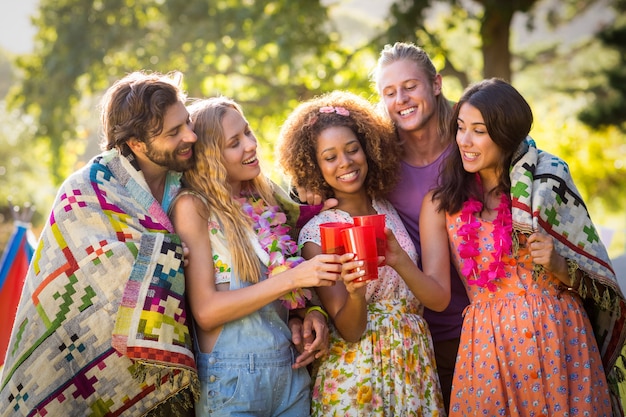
{"x": 168, "y": 160}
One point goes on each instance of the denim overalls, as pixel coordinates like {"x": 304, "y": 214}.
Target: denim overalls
{"x": 249, "y": 372}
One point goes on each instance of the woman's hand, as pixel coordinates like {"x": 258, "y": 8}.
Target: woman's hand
{"x": 322, "y": 270}
{"x": 394, "y": 253}
{"x": 350, "y": 275}
{"x": 185, "y": 254}
{"x": 543, "y": 253}
{"x": 311, "y": 337}
{"x": 307, "y": 196}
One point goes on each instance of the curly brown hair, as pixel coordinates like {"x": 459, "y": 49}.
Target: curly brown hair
{"x": 297, "y": 142}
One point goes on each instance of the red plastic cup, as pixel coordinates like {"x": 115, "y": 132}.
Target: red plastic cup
{"x": 331, "y": 239}
{"x": 378, "y": 221}
{"x": 361, "y": 240}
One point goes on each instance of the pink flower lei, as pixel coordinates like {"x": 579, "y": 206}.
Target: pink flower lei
{"x": 268, "y": 223}
{"x": 468, "y": 248}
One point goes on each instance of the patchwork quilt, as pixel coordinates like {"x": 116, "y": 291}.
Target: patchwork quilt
{"x": 102, "y": 328}
{"x": 545, "y": 198}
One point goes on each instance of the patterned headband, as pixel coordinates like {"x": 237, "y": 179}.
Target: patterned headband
{"x": 339, "y": 110}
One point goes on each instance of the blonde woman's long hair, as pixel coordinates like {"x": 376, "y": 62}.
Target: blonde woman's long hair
{"x": 208, "y": 178}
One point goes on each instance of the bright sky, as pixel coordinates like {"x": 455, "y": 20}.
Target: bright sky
{"x": 16, "y": 32}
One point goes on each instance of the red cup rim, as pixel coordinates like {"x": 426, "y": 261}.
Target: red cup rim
{"x": 370, "y": 215}
{"x": 336, "y": 224}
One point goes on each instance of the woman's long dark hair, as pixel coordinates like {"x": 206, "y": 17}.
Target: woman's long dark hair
{"x": 508, "y": 119}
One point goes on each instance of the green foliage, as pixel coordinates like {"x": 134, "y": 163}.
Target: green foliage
{"x": 608, "y": 94}
{"x": 7, "y": 78}
{"x": 596, "y": 158}
{"x": 557, "y": 78}
{"x": 266, "y": 55}
{"x": 269, "y": 55}
{"x": 24, "y": 176}
{"x": 72, "y": 46}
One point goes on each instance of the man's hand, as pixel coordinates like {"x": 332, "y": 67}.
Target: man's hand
{"x": 310, "y": 336}
{"x": 185, "y": 254}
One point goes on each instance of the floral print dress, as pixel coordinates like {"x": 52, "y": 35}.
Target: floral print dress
{"x": 391, "y": 371}
{"x": 527, "y": 348}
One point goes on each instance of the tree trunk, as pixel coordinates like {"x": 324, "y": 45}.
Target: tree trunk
{"x": 495, "y": 32}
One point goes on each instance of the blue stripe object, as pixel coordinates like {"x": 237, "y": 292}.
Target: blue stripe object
{"x": 17, "y": 242}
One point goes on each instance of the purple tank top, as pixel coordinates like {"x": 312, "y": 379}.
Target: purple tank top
{"x": 414, "y": 184}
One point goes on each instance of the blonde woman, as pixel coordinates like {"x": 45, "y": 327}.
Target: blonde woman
{"x": 243, "y": 274}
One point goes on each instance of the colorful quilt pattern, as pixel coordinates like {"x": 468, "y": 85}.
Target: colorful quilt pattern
{"x": 545, "y": 198}
{"x": 102, "y": 326}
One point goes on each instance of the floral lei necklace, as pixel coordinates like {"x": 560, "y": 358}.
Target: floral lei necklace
{"x": 268, "y": 223}
{"x": 468, "y": 248}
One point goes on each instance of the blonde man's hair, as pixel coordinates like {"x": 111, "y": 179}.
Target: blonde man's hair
{"x": 406, "y": 51}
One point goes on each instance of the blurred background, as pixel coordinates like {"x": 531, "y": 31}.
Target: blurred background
{"x": 566, "y": 57}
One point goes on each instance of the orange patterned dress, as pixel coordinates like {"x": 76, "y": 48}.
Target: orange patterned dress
{"x": 527, "y": 348}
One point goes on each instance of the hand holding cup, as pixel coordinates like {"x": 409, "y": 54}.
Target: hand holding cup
{"x": 361, "y": 241}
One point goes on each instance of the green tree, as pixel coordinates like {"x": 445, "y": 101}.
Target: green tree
{"x": 554, "y": 75}
{"x": 23, "y": 170}
{"x": 491, "y": 20}
{"x": 24, "y": 179}
{"x": 268, "y": 55}
{"x": 608, "y": 93}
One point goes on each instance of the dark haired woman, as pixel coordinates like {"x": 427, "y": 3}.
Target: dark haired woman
{"x": 530, "y": 257}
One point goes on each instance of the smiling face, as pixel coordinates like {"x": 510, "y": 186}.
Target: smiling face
{"x": 409, "y": 96}
{"x": 239, "y": 152}
{"x": 479, "y": 152}
{"x": 342, "y": 161}
{"x": 173, "y": 147}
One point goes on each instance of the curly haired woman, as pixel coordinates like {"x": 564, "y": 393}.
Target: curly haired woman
{"x": 381, "y": 360}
